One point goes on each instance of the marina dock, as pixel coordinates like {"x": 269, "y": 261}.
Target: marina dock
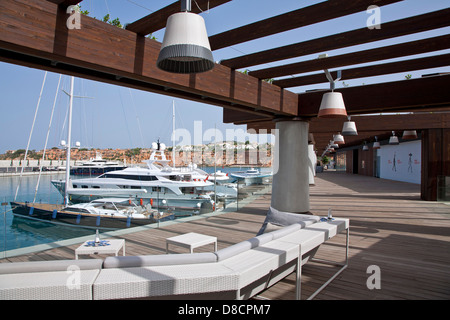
{"x": 390, "y": 227}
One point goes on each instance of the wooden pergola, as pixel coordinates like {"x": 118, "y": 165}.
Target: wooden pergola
{"x": 33, "y": 33}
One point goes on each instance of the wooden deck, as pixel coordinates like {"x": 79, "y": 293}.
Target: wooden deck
{"x": 390, "y": 227}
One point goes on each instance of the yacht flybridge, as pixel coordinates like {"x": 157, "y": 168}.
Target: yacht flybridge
{"x": 157, "y": 184}
{"x": 96, "y": 166}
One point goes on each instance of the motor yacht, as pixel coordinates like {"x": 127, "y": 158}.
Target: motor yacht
{"x": 96, "y": 166}
{"x": 157, "y": 184}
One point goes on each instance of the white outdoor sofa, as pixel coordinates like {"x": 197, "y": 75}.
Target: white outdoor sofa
{"x": 285, "y": 242}
{"x": 49, "y": 280}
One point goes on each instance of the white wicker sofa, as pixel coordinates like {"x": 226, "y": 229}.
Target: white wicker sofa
{"x": 240, "y": 271}
{"x": 49, "y": 280}
{"x": 283, "y": 245}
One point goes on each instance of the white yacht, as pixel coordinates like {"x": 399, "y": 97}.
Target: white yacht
{"x": 96, "y": 166}
{"x": 161, "y": 186}
{"x": 251, "y": 176}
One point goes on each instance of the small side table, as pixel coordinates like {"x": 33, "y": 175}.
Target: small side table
{"x": 191, "y": 240}
{"x": 113, "y": 248}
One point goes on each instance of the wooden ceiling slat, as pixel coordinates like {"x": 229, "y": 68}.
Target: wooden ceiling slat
{"x": 424, "y": 22}
{"x": 381, "y": 126}
{"x": 322, "y": 11}
{"x": 65, "y": 2}
{"x": 369, "y": 71}
{"x": 383, "y": 53}
{"x": 157, "y": 20}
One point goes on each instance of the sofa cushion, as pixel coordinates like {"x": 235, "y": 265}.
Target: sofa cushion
{"x": 49, "y": 266}
{"x": 286, "y": 230}
{"x": 159, "y": 260}
{"x": 281, "y": 218}
{"x": 243, "y": 246}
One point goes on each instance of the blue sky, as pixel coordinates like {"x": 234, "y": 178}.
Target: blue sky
{"x": 118, "y": 117}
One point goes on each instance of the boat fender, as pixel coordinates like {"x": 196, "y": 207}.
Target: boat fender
{"x": 141, "y": 202}
{"x": 129, "y": 221}
{"x": 98, "y": 221}
{"x": 151, "y": 202}
{"x": 78, "y": 218}
{"x": 129, "y": 201}
{"x": 31, "y": 211}
{"x": 55, "y": 212}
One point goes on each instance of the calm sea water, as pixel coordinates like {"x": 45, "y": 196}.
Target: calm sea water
{"x": 17, "y": 232}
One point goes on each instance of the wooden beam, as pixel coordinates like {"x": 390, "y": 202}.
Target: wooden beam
{"x": 383, "y": 53}
{"x": 371, "y": 124}
{"x": 424, "y": 22}
{"x": 322, "y": 11}
{"x": 35, "y": 34}
{"x": 65, "y": 3}
{"x": 157, "y": 20}
{"x": 370, "y": 71}
{"x": 384, "y": 97}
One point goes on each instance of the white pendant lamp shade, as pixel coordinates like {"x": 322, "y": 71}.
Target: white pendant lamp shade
{"x": 349, "y": 129}
{"x": 376, "y": 144}
{"x": 409, "y": 134}
{"x": 333, "y": 144}
{"x": 393, "y": 139}
{"x": 338, "y": 138}
{"x": 365, "y": 148}
{"x": 185, "y": 48}
{"x": 332, "y": 106}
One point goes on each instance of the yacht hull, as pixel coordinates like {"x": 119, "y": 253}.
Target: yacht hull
{"x": 46, "y": 212}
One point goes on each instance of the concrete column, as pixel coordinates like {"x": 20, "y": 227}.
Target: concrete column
{"x": 290, "y": 186}
{"x": 312, "y": 163}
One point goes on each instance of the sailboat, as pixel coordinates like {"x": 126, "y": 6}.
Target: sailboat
{"x": 103, "y": 213}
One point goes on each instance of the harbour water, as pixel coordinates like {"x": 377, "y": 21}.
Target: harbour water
{"x": 18, "y": 232}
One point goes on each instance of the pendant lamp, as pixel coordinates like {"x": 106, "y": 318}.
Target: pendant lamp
{"x": 333, "y": 144}
{"x": 349, "y": 128}
{"x": 338, "y": 138}
{"x": 185, "y": 48}
{"x": 365, "y": 147}
{"x": 376, "y": 144}
{"x": 409, "y": 134}
{"x": 393, "y": 139}
{"x": 332, "y": 105}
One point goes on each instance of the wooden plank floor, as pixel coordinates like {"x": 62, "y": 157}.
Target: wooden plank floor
{"x": 390, "y": 227}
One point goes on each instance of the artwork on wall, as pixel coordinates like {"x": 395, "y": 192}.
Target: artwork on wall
{"x": 401, "y": 162}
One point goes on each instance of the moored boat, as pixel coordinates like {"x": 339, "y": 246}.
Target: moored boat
{"x": 106, "y": 213}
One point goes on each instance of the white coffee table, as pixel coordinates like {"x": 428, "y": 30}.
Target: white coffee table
{"x": 113, "y": 248}
{"x": 191, "y": 240}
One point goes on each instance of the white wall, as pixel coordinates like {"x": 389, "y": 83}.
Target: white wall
{"x": 407, "y": 161}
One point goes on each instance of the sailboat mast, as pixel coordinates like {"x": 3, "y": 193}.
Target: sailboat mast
{"x": 173, "y": 133}
{"x": 69, "y": 143}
